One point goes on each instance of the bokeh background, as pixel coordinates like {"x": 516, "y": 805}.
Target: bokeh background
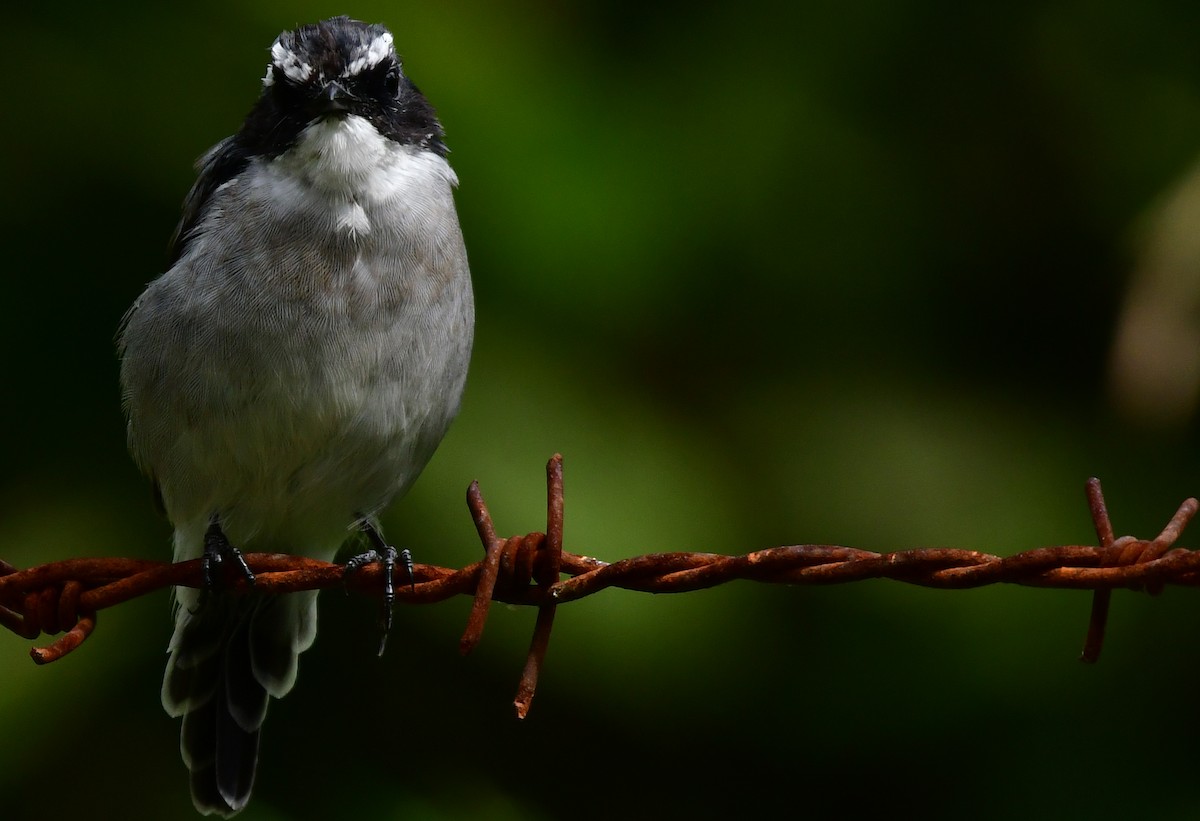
{"x": 888, "y": 274}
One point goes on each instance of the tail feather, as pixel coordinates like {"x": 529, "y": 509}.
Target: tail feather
{"x": 220, "y": 756}
{"x": 245, "y": 698}
{"x": 283, "y": 628}
{"x": 229, "y": 656}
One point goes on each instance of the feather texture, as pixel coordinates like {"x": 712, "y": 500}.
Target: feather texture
{"x": 297, "y": 365}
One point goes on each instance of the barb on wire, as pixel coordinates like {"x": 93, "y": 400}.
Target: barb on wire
{"x": 64, "y": 596}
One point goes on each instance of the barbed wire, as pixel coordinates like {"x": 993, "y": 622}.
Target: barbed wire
{"x": 64, "y": 596}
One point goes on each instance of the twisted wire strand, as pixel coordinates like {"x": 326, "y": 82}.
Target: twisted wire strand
{"x": 64, "y": 596}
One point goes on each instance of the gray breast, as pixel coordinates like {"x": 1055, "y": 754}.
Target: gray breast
{"x": 302, "y": 355}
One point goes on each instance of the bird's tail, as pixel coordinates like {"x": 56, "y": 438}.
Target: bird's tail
{"x": 229, "y": 655}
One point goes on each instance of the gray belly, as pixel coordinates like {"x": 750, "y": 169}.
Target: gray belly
{"x": 298, "y": 394}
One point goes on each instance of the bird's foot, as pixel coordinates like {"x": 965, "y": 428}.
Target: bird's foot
{"x": 217, "y": 551}
{"x": 387, "y": 555}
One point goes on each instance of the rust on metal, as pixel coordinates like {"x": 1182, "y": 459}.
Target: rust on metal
{"x": 64, "y": 596}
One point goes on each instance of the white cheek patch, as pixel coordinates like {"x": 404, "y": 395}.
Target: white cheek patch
{"x": 369, "y": 56}
{"x": 291, "y": 65}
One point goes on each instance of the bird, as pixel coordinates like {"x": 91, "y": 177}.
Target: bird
{"x": 295, "y": 367}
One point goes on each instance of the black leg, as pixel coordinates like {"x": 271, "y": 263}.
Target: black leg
{"x": 217, "y": 550}
{"x": 384, "y": 553}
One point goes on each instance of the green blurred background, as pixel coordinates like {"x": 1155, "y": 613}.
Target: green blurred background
{"x": 765, "y": 273}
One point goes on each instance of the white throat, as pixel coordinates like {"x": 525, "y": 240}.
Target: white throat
{"x": 340, "y": 155}
{"x": 349, "y": 158}
{"x": 348, "y": 171}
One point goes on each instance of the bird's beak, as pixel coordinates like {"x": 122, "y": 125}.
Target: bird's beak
{"x": 333, "y": 99}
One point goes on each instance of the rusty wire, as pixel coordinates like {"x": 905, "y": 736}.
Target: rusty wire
{"x": 527, "y": 570}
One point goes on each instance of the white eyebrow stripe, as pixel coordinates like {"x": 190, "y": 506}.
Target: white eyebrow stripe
{"x": 289, "y": 64}
{"x": 371, "y": 55}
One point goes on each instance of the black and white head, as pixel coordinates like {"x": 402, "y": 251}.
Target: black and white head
{"x": 335, "y": 69}
{"x": 336, "y": 108}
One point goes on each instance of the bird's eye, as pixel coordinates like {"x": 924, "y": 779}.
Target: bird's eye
{"x": 391, "y": 81}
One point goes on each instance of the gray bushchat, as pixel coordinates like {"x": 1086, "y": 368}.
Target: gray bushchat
{"x": 296, "y": 366}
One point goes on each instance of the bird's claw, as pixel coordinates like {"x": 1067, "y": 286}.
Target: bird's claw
{"x": 218, "y": 550}
{"x": 385, "y": 554}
